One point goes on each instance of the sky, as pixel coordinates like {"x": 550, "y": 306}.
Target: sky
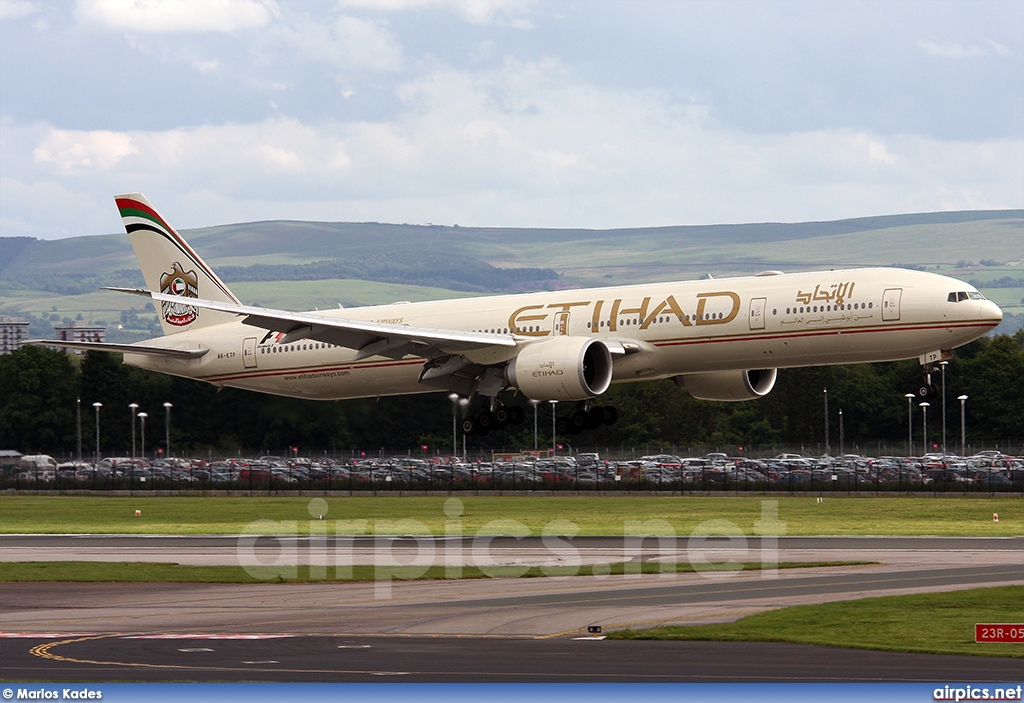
{"x": 506, "y": 113}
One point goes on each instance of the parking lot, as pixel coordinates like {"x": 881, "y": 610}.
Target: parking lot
{"x": 986, "y": 472}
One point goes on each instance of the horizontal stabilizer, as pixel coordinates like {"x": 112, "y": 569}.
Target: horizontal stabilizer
{"x": 168, "y": 352}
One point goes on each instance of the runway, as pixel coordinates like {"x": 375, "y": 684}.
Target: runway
{"x": 475, "y": 630}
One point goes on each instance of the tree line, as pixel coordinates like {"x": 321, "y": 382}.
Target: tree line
{"x": 42, "y": 389}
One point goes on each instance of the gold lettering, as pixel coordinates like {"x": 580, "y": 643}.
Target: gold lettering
{"x": 564, "y": 307}
{"x": 516, "y": 320}
{"x": 595, "y": 320}
{"x": 669, "y": 305}
{"x": 613, "y": 318}
{"x": 641, "y": 311}
{"x": 702, "y": 299}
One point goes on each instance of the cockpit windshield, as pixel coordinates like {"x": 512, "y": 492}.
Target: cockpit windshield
{"x": 957, "y": 296}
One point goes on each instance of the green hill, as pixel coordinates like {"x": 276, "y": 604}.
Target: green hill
{"x": 326, "y": 263}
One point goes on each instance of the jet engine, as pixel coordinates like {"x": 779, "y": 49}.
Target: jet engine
{"x": 729, "y": 385}
{"x": 562, "y": 368}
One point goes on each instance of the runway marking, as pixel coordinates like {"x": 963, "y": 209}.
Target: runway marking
{"x": 185, "y": 636}
{"x": 41, "y": 635}
{"x": 43, "y": 651}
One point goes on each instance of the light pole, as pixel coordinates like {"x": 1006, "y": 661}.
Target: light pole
{"x": 454, "y": 398}
{"x": 534, "y": 403}
{"x": 924, "y": 413}
{"x": 464, "y": 403}
{"x": 840, "y": 432}
{"x": 132, "y": 409}
{"x": 554, "y": 446}
{"x": 142, "y": 419}
{"x": 78, "y": 431}
{"x": 910, "y": 423}
{"x": 963, "y": 427}
{"x": 167, "y": 430}
{"x": 828, "y": 449}
{"x": 943, "y": 365}
{"x": 97, "y": 406}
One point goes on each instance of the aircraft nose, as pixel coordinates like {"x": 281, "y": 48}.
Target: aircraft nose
{"x": 991, "y": 311}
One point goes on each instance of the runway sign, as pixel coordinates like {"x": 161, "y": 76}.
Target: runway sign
{"x": 999, "y": 632}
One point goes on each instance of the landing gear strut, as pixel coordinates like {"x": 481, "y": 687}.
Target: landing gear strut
{"x": 927, "y": 390}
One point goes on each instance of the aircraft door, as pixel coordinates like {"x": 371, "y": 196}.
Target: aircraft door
{"x": 561, "y": 324}
{"x": 249, "y": 352}
{"x": 891, "y": 304}
{"x": 757, "y": 306}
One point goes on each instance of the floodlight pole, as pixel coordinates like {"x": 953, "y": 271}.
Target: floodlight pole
{"x": 132, "y": 408}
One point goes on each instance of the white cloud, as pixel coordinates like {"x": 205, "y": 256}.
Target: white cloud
{"x": 1000, "y": 49}
{"x": 16, "y": 9}
{"x": 529, "y": 145}
{"x": 164, "y": 16}
{"x": 206, "y": 66}
{"x": 72, "y": 152}
{"x": 951, "y": 50}
{"x": 345, "y": 42}
{"x": 501, "y": 12}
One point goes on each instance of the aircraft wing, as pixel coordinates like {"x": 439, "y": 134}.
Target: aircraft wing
{"x": 169, "y": 352}
{"x": 367, "y": 338}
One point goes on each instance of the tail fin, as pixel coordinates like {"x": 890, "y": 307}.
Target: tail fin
{"x": 169, "y": 265}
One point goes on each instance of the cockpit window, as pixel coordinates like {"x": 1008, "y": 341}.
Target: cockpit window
{"x": 957, "y": 296}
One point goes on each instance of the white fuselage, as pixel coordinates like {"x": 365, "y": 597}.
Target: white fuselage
{"x": 755, "y": 322}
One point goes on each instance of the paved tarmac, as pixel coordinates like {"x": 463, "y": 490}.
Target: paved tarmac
{"x": 474, "y": 630}
{"x": 494, "y": 660}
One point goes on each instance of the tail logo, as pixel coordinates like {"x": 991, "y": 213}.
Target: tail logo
{"x": 186, "y": 285}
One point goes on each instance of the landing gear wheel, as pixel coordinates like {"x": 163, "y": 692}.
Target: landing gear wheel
{"x": 518, "y": 415}
{"x": 485, "y": 422}
{"x": 502, "y": 418}
{"x": 611, "y": 415}
{"x": 577, "y": 422}
{"x": 595, "y": 418}
{"x": 469, "y": 426}
{"x": 562, "y": 426}
{"x": 927, "y": 391}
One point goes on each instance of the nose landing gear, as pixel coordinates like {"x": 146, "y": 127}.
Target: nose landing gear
{"x": 927, "y": 390}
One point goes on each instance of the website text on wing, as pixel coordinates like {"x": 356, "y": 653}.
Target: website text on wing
{"x": 719, "y": 339}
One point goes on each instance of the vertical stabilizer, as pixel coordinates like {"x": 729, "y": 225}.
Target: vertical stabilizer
{"x": 169, "y": 265}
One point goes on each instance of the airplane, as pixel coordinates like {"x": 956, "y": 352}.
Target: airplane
{"x": 719, "y": 339}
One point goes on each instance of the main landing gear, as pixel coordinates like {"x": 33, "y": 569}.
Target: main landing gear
{"x": 586, "y": 417}
{"x": 493, "y": 417}
{"x": 487, "y": 419}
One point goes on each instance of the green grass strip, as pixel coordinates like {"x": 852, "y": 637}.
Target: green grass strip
{"x": 936, "y": 623}
{"x": 163, "y": 572}
{"x": 517, "y": 515}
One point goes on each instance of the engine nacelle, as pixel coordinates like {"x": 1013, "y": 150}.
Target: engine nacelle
{"x": 562, "y": 368}
{"x": 729, "y": 385}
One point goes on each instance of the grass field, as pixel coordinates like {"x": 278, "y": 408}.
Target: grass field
{"x": 469, "y": 515}
{"x": 938, "y": 623}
